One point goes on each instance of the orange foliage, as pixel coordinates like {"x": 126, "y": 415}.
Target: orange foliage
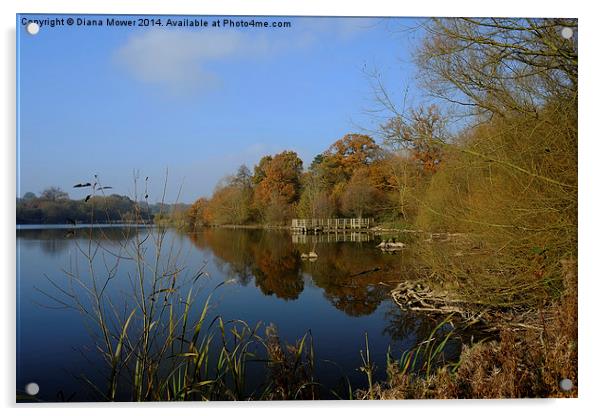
{"x": 278, "y": 178}
{"x": 198, "y": 214}
{"x": 348, "y": 154}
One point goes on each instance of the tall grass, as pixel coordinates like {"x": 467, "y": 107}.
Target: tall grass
{"x": 414, "y": 365}
{"x": 155, "y": 332}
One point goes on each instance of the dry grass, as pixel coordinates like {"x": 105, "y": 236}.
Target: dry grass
{"x": 291, "y": 368}
{"x": 521, "y": 363}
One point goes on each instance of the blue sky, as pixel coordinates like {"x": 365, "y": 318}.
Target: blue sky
{"x": 196, "y": 101}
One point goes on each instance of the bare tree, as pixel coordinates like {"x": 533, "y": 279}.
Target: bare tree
{"x": 499, "y": 66}
{"x": 359, "y": 196}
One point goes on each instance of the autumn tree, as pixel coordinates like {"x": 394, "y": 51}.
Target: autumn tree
{"x": 277, "y": 185}
{"x": 332, "y": 170}
{"x": 360, "y": 197}
{"x": 197, "y": 214}
{"x": 348, "y": 154}
{"x": 518, "y": 80}
{"x": 243, "y": 182}
{"x": 315, "y": 201}
{"x": 232, "y": 199}
{"x": 260, "y": 170}
{"x": 422, "y": 134}
{"x": 243, "y": 178}
{"x": 226, "y": 206}
{"x": 403, "y": 182}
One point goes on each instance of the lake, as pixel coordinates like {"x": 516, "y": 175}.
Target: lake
{"x": 257, "y": 276}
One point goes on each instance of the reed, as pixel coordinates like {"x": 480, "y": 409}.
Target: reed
{"x": 161, "y": 345}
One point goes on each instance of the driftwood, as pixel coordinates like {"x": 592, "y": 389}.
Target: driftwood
{"x": 418, "y": 297}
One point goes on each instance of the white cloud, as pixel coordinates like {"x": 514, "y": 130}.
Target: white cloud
{"x": 178, "y": 60}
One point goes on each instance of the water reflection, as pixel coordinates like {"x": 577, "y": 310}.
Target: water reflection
{"x": 268, "y": 257}
{"x": 55, "y": 241}
{"x": 340, "y": 296}
{"x": 299, "y": 238}
{"x": 355, "y": 277}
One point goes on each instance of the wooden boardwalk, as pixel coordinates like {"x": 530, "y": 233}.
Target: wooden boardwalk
{"x": 329, "y": 225}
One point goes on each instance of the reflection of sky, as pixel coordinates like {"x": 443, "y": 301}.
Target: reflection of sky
{"x": 50, "y": 340}
{"x": 98, "y": 100}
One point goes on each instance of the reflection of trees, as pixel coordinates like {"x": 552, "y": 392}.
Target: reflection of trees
{"x": 410, "y": 329}
{"x": 54, "y": 241}
{"x": 339, "y": 271}
{"x": 275, "y": 263}
{"x": 269, "y": 256}
{"x": 278, "y": 266}
{"x": 402, "y": 325}
{"x": 52, "y": 247}
{"x": 231, "y": 249}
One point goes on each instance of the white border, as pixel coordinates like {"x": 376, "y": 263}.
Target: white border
{"x": 590, "y": 152}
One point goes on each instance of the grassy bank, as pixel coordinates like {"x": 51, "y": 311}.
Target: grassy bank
{"x": 527, "y": 361}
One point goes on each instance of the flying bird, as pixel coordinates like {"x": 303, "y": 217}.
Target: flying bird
{"x": 105, "y": 187}
{"x": 87, "y": 198}
{"x": 82, "y": 185}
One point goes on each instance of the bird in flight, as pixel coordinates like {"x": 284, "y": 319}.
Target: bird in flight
{"x": 82, "y": 185}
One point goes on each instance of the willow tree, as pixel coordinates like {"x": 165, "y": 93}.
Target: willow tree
{"x": 506, "y": 148}
{"x": 518, "y": 80}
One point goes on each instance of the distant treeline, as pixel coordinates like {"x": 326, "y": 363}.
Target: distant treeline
{"x": 53, "y": 206}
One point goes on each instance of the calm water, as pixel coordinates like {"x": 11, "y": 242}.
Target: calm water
{"x": 265, "y": 280}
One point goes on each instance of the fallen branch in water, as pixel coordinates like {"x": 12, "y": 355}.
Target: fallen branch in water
{"x": 376, "y": 269}
{"x": 418, "y": 297}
